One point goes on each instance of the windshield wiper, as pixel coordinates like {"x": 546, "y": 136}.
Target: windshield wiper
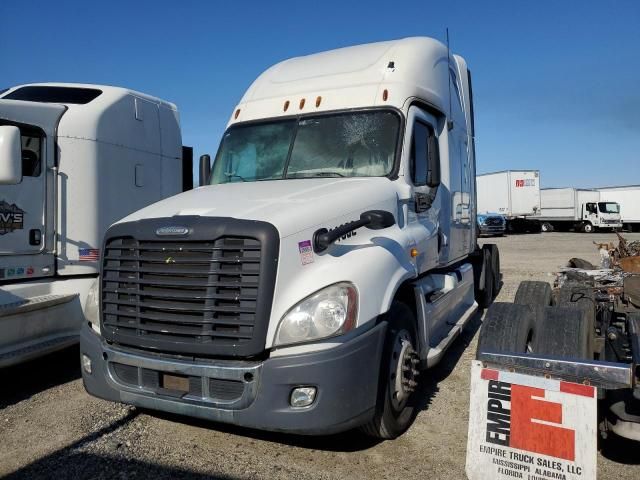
{"x": 233, "y": 175}
{"x": 316, "y": 174}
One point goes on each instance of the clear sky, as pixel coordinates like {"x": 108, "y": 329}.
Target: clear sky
{"x": 556, "y": 83}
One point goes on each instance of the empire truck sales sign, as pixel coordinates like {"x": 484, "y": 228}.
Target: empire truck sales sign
{"x": 529, "y": 427}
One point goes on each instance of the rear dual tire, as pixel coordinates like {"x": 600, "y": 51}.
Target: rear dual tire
{"x": 487, "y": 277}
{"x": 531, "y": 325}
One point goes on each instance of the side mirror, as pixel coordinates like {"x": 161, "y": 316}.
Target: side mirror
{"x": 433, "y": 168}
{"x": 378, "y": 219}
{"x": 205, "y": 169}
{"x": 10, "y": 155}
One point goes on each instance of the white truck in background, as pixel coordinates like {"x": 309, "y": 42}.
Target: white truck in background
{"x": 74, "y": 159}
{"x": 329, "y": 256}
{"x": 514, "y": 194}
{"x": 582, "y": 210}
{"x": 628, "y": 197}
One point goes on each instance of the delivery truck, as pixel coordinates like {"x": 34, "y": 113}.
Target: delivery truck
{"x": 327, "y": 259}
{"x": 73, "y": 159}
{"x": 628, "y": 197}
{"x": 579, "y": 209}
{"x": 514, "y": 194}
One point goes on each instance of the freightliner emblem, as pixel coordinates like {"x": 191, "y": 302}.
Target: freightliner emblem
{"x": 172, "y": 231}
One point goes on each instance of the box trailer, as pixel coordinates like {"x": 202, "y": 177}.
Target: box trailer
{"x": 73, "y": 160}
{"x": 328, "y": 258}
{"x": 514, "y": 194}
{"x": 628, "y": 197}
{"x": 578, "y": 209}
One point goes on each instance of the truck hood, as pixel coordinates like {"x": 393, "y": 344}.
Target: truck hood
{"x": 290, "y": 205}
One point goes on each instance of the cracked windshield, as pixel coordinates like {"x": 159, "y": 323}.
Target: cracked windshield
{"x": 361, "y": 144}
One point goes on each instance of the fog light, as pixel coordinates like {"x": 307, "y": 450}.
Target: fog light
{"x": 86, "y": 364}
{"x": 303, "y": 396}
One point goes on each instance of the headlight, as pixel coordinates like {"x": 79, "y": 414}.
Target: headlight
{"x": 92, "y": 307}
{"x": 328, "y": 312}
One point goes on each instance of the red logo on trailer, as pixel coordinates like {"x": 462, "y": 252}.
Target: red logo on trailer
{"x": 519, "y": 183}
{"x": 515, "y": 414}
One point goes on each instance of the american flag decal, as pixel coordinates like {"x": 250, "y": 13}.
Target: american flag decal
{"x": 88, "y": 254}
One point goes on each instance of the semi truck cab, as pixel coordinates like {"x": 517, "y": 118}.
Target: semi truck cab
{"x": 327, "y": 259}
{"x": 74, "y": 159}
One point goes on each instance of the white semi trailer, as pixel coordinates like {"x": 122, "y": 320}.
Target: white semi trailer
{"x": 579, "y": 209}
{"x": 73, "y": 159}
{"x": 514, "y": 194}
{"x": 628, "y": 197}
{"x": 330, "y": 256}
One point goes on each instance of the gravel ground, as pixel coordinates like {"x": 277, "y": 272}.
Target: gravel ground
{"x": 49, "y": 426}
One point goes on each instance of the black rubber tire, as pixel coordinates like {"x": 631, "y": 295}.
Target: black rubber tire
{"x": 507, "y": 328}
{"x": 533, "y": 293}
{"x": 387, "y": 423}
{"x": 497, "y": 277}
{"x": 483, "y": 278}
{"x": 579, "y": 297}
{"x": 588, "y": 228}
{"x": 563, "y": 332}
{"x": 546, "y": 227}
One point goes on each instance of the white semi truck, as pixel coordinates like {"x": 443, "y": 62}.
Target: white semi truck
{"x": 628, "y": 197}
{"x": 514, "y": 194}
{"x": 330, "y": 256}
{"x": 583, "y": 210}
{"x": 73, "y": 159}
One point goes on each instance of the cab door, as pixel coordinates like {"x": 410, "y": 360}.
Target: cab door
{"x": 590, "y": 213}
{"x": 26, "y": 208}
{"x": 424, "y": 210}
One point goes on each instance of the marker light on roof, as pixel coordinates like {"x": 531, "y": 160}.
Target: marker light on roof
{"x": 286, "y": 105}
{"x": 236, "y": 114}
{"x": 301, "y": 103}
{"x": 385, "y": 94}
{"x": 318, "y": 100}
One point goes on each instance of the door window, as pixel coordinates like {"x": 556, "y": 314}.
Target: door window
{"x": 31, "y": 154}
{"x": 419, "y": 154}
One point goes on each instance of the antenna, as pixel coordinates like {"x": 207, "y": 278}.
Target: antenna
{"x": 450, "y": 120}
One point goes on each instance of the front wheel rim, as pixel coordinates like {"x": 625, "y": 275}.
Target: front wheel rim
{"x": 403, "y": 371}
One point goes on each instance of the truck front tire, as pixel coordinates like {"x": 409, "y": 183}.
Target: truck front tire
{"x": 396, "y": 403}
{"x": 588, "y": 228}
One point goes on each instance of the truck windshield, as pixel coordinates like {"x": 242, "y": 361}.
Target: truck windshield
{"x": 609, "y": 207}
{"x": 353, "y": 144}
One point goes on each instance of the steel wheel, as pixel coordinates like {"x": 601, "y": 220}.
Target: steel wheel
{"x": 403, "y": 372}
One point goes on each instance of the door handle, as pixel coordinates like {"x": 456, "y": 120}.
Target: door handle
{"x": 35, "y": 237}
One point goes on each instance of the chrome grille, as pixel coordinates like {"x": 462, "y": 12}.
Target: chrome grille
{"x": 190, "y": 297}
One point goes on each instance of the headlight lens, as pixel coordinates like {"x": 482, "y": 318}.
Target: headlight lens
{"x": 92, "y": 307}
{"x": 328, "y": 312}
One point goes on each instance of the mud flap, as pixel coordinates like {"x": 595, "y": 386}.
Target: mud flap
{"x": 523, "y": 426}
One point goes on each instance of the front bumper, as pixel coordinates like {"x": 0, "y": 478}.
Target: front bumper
{"x": 249, "y": 394}
{"x": 492, "y": 229}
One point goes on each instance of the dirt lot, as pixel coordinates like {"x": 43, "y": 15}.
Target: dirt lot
{"x": 49, "y": 426}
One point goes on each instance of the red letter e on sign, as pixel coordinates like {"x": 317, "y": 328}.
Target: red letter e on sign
{"x": 538, "y": 437}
